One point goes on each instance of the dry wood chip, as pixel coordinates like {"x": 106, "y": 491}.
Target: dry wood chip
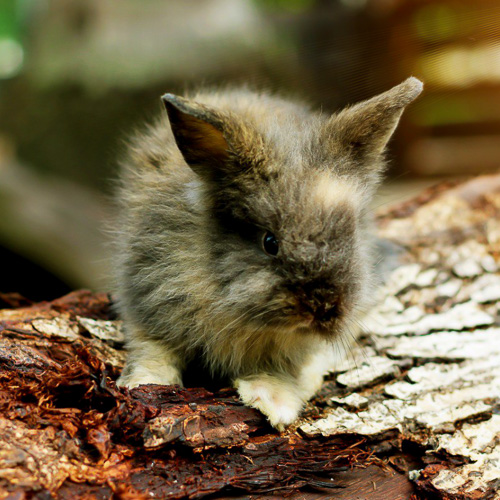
{"x": 459, "y": 317}
{"x": 353, "y": 401}
{"x": 104, "y": 330}
{"x": 58, "y": 327}
{"x": 468, "y": 268}
{"x": 449, "y": 345}
{"x": 372, "y": 370}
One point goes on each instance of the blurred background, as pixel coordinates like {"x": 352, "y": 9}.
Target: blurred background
{"x": 76, "y": 76}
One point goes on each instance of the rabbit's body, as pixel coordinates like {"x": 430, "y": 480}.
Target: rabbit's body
{"x": 244, "y": 242}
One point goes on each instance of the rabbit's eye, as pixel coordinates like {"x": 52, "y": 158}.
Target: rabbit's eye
{"x": 270, "y": 244}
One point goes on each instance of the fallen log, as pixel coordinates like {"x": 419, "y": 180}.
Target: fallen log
{"x": 413, "y": 412}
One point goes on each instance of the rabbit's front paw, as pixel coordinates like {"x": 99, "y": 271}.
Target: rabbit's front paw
{"x": 149, "y": 362}
{"x": 274, "y": 397}
{"x": 141, "y": 375}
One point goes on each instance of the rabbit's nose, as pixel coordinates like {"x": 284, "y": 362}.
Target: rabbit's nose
{"x": 318, "y": 300}
{"x": 322, "y": 307}
{"x": 326, "y": 311}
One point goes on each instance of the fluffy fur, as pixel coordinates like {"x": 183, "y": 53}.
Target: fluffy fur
{"x": 196, "y": 200}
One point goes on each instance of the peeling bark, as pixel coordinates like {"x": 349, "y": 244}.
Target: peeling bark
{"x": 413, "y": 410}
{"x": 437, "y": 314}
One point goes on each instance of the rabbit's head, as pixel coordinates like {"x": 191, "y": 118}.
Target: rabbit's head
{"x": 287, "y": 199}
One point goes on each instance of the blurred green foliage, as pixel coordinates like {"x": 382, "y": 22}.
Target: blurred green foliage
{"x": 13, "y": 14}
{"x": 10, "y": 19}
{"x": 286, "y": 5}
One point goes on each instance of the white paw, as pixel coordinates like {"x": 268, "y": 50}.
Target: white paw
{"x": 275, "y": 398}
{"x": 141, "y": 376}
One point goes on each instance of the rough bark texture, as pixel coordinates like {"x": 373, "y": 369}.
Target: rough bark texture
{"x": 412, "y": 413}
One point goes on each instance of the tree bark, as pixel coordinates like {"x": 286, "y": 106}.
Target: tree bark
{"x": 413, "y": 412}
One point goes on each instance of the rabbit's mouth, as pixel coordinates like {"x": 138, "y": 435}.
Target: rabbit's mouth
{"x": 315, "y": 314}
{"x": 325, "y": 321}
{"x": 314, "y": 303}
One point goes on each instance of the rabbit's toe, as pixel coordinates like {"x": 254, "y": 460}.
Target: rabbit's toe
{"x": 142, "y": 376}
{"x": 275, "y": 398}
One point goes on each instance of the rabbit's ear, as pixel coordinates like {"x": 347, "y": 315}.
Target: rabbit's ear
{"x": 198, "y": 132}
{"x": 365, "y": 129}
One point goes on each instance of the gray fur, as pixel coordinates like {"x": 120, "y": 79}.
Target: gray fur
{"x": 195, "y": 200}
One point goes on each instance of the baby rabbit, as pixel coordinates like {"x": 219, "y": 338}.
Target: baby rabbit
{"x": 244, "y": 240}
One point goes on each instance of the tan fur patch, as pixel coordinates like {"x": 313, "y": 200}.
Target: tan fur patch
{"x": 329, "y": 191}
